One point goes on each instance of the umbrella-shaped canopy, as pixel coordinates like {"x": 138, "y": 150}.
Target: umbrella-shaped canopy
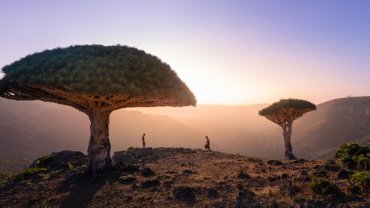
{"x": 85, "y": 76}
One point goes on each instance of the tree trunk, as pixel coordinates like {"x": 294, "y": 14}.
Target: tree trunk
{"x": 287, "y": 132}
{"x": 99, "y": 146}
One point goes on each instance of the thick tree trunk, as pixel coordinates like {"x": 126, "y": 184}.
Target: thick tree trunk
{"x": 99, "y": 146}
{"x": 287, "y": 132}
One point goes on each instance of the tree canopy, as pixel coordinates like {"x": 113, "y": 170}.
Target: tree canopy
{"x": 109, "y": 74}
{"x": 287, "y": 109}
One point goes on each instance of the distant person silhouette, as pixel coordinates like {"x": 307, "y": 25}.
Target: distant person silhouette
{"x": 143, "y": 139}
{"x": 207, "y": 145}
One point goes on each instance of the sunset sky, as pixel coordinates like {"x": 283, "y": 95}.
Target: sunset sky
{"x": 228, "y": 52}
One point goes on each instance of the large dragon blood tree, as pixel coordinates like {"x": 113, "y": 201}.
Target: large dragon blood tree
{"x": 96, "y": 80}
{"x": 283, "y": 113}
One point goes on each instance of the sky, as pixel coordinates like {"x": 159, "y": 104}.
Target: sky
{"x": 230, "y": 52}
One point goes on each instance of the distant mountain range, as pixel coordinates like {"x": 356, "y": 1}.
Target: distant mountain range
{"x": 31, "y": 129}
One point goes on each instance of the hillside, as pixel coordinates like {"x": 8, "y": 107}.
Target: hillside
{"x": 334, "y": 122}
{"x": 178, "y": 177}
{"x": 31, "y": 129}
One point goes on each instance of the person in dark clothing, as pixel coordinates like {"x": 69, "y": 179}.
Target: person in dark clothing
{"x": 143, "y": 139}
{"x": 207, "y": 145}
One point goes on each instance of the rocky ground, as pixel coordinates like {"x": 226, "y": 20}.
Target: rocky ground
{"x": 178, "y": 177}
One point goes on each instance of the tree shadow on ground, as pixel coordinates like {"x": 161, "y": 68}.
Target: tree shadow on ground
{"x": 83, "y": 187}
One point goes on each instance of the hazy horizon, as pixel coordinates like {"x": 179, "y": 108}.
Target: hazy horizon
{"x": 51, "y": 127}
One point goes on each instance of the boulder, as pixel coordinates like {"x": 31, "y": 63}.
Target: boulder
{"x": 60, "y": 160}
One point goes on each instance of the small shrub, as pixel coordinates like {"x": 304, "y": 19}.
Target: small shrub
{"x": 185, "y": 194}
{"x": 246, "y": 198}
{"x": 354, "y": 156}
{"x": 347, "y": 149}
{"x": 127, "y": 179}
{"x": 284, "y": 176}
{"x": 28, "y": 173}
{"x": 324, "y": 187}
{"x": 243, "y": 175}
{"x": 212, "y": 194}
{"x": 150, "y": 184}
{"x": 363, "y": 180}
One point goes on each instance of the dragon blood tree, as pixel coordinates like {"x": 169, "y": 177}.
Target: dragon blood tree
{"x": 95, "y": 80}
{"x": 283, "y": 113}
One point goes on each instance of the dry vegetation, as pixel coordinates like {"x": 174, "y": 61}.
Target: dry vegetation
{"x": 180, "y": 177}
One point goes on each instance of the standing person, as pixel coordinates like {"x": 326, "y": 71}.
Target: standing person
{"x": 207, "y": 145}
{"x": 143, "y": 139}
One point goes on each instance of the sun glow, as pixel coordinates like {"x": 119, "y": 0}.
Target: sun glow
{"x": 246, "y": 52}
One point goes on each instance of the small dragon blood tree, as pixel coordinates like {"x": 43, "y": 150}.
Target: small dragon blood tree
{"x": 283, "y": 113}
{"x": 96, "y": 80}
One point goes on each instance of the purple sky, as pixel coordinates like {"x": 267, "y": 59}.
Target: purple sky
{"x": 227, "y": 52}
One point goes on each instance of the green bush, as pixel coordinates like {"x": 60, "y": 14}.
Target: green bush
{"x": 324, "y": 187}
{"x": 363, "y": 180}
{"x": 354, "y": 156}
